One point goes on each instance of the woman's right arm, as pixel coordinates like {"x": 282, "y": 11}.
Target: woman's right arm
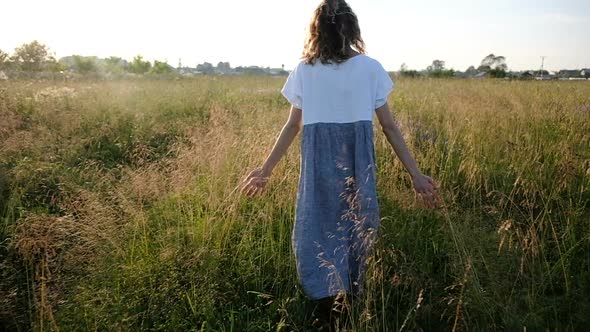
{"x": 423, "y": 185}
{"x": 255, "y": 182}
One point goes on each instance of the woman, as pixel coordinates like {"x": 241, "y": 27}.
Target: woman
{"x": 334, "y": 92}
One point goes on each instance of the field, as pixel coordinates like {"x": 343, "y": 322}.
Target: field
{"x": 119, "y": 211}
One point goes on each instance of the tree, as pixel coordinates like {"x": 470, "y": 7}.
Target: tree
{"x": 115, "y": 65}
{"x": 4, "y": 59}
{"x": 205, "y": 68}
{"x": 405, "y": 72}
{"x": 437, "y": 66}
{"x": 55, "y": 66}
{"x": 497, "y": 73}
{"x": 138, "y": 66}
{"x": 224, "y": 67}
{"x": 494, "y": 62}
{"x": 33, "y": 57}
{"x": 495, "y": 66}
{"x": 471, "y": 70}
{"x": 437, "y": 69}
{"x": 84, "y": 65}
{"x": 161, "y": 68}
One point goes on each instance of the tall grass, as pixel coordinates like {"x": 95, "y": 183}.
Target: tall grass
{"x": 119, "y": 209}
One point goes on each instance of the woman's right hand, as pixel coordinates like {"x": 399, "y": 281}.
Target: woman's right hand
{"x": 255, "y": 182}
{"x": 427, "y": 190}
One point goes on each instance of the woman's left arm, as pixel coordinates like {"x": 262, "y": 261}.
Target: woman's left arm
{"x": 257, "y": 179}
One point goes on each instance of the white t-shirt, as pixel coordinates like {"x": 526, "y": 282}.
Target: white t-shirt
{"x": 338, "y": 93}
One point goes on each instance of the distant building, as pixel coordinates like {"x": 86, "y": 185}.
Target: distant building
{"x": 480, "y": 75}
{"x": 251, "y": 70}
{"x": 567, "y": 74}
{"x": 188, "y": 71}
{"x": 585, "y": 73}
{"x": 205, "y": 68}
{"x": 459, "y": 74}
{"x": 527, "y": 75}
{"x": 223, "y": 68}
{"x": 277, "y": 71}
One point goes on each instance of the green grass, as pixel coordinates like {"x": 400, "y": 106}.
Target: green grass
{"x": 119, "y": 211}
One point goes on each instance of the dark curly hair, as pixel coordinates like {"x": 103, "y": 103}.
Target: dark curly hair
{"x": 333, "y": 32}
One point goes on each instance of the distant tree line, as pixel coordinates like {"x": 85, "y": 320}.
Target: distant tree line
{"x": 36, "y": 57}
{"x": 491, "y": 66}
{"x": 36, "y": 60}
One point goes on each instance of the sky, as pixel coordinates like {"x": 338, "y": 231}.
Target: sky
{"x": 272, "y": 32}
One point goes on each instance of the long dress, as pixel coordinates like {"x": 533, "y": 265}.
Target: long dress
{"x": 337, "y": 212}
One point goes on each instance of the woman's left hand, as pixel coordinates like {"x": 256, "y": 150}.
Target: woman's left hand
{"x": 427, "y": 189}
{"x": 254, "y": 183}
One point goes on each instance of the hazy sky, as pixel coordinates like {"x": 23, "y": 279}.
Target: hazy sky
{"x": 272, "y": 32}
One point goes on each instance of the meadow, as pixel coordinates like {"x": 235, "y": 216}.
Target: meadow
{"x": 119, "y": 209}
